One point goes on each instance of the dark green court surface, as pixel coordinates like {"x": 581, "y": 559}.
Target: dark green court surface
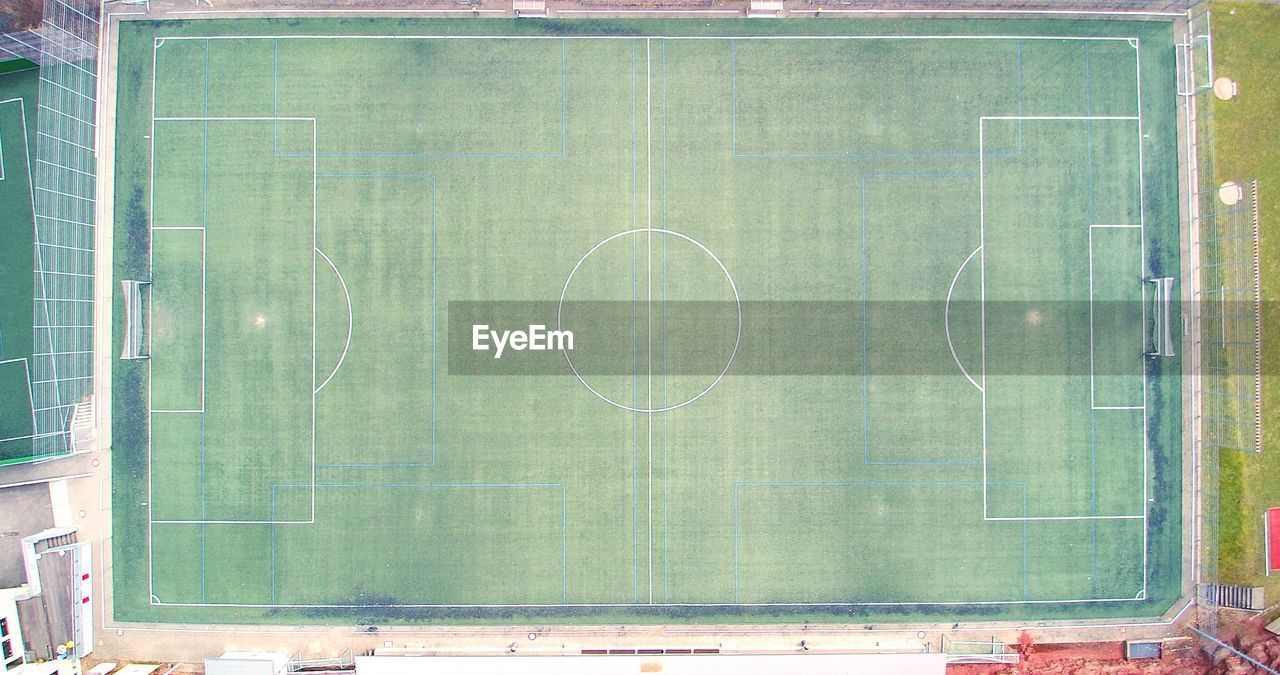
{"x": 19, "y": 82}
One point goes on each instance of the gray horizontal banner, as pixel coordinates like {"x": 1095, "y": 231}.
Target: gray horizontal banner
{"x": 855, "y": 338}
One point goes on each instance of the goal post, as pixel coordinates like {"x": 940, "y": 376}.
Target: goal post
{"x": 136, "y": 295}
{"x": 1159, "y": 332}
{"x": 1194, "y": 54}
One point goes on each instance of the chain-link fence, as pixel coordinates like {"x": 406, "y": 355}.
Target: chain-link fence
{"x": 978, "y": 6}
{"x": 66, "y": 48}
{"x": 65, "y": 177}
{"x": 1222, "y": 219}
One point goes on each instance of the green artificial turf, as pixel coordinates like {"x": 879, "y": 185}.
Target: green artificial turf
{"x": 937, "y": 403}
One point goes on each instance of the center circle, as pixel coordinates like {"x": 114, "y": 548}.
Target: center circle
{"x": 736, "y": 323}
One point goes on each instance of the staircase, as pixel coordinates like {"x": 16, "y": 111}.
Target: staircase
{"x": 1234, "y": 597}
{"x": 82, "y": 425}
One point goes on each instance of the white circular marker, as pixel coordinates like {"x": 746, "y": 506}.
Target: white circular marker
{"x": 1230, "y": 193}
{"x": 737, "y": 340}
{"x": 1225, "y": 88}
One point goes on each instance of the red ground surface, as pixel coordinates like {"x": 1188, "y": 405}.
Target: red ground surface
{"x": 1099, "y": 658}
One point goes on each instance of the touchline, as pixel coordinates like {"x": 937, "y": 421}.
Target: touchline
{"x": 537, "y": 339}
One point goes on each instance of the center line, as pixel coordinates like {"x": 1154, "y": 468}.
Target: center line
{"x": 649, "y": 290}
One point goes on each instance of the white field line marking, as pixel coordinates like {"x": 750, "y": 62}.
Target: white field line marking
{"x": 982, "y": 230}
{"x": 1068, "y": 118}
{"x": 350, "y": 321}
{"x": 194, "y": 411}
{"x": 982, "y": 301}
{"x": 204, "y": 303}
{"x": 161, "y": 228}
{"x": 1050, "y": 518}
{"x": 946, "y": 318}
{"x": 1051, "y": 38}
{"x": 648, "y": 109}
{"x": 733, "y": 287}
{"x": 1093, "y": 404}
{"x": 1059, "y": 12}
{"x": 288, "y": 12}
{"x": 1184, "y": 604}
{"x": 236, "y": 119}
{"x": 26, "y": 366}
{"x": 151, "y": 253}
{"x": 315, "y": 155}
{"x": 1093, "y": 400}
{"x": 232, "y": 522}
{"x": 151, "y": 269}
{"x": 44, "y": 295}
{"x": 2, "y": 139}
{"x": 648, "y": 11}
{"x": 668, "y": 604}
{"x": 1193, "y": 216}
{"x": 34, "y": 437}
{"x": 203, "y": 300}
{"x": 1142, "y": 263}
{"x": 158, "y": 41}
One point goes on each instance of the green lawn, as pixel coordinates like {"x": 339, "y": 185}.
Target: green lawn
{"x": 18, "y": 87}
{"x": 1247, "y": 49}
{"x": 923, "y": 261}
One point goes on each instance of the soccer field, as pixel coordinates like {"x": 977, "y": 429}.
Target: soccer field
{"x": 869, "y": 319}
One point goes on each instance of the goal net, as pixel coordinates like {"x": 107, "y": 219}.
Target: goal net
{"x": 135, "y": 337}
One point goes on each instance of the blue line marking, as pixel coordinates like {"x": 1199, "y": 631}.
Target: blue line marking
{"x": 817, "y": 154}
{"x": 273, "y": 545}
{"x": 733, "y": 87}
{"x": 435, "y": 258}
{"x": 1026, "y": 555}
{"x": 1093, "y": 414}
{"x": 564, "y": 510}
{"x": 866, "y": 379}
{"x": 563, "y": 151}
{"x": 1017, "y": 48}
{"x": 564, "y": 99}
{"x": 275, "y": 97}
{"x": 204, "y": 182}
{"x": 866, "y": 394}
{"x": 666, "y": 380}
{"x": 1093, "y": 497}
{"x": 1088, "y": 110}
{"x": 435, "y": 268}
{"x": 451, "y": 486}
{"x": 635, "y": 285}
{"x": 737, "y": 528}
{"x": 204, "y": 220}
{"x": 733, "y": 77}
{"x": 737, "y": 558}
{"x": 564, "y": 543}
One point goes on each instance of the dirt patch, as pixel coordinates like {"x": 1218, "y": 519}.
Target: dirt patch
{"x": 1097, "y": 658}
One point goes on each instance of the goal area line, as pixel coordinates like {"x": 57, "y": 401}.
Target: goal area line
{"x": 202, "y": 229}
